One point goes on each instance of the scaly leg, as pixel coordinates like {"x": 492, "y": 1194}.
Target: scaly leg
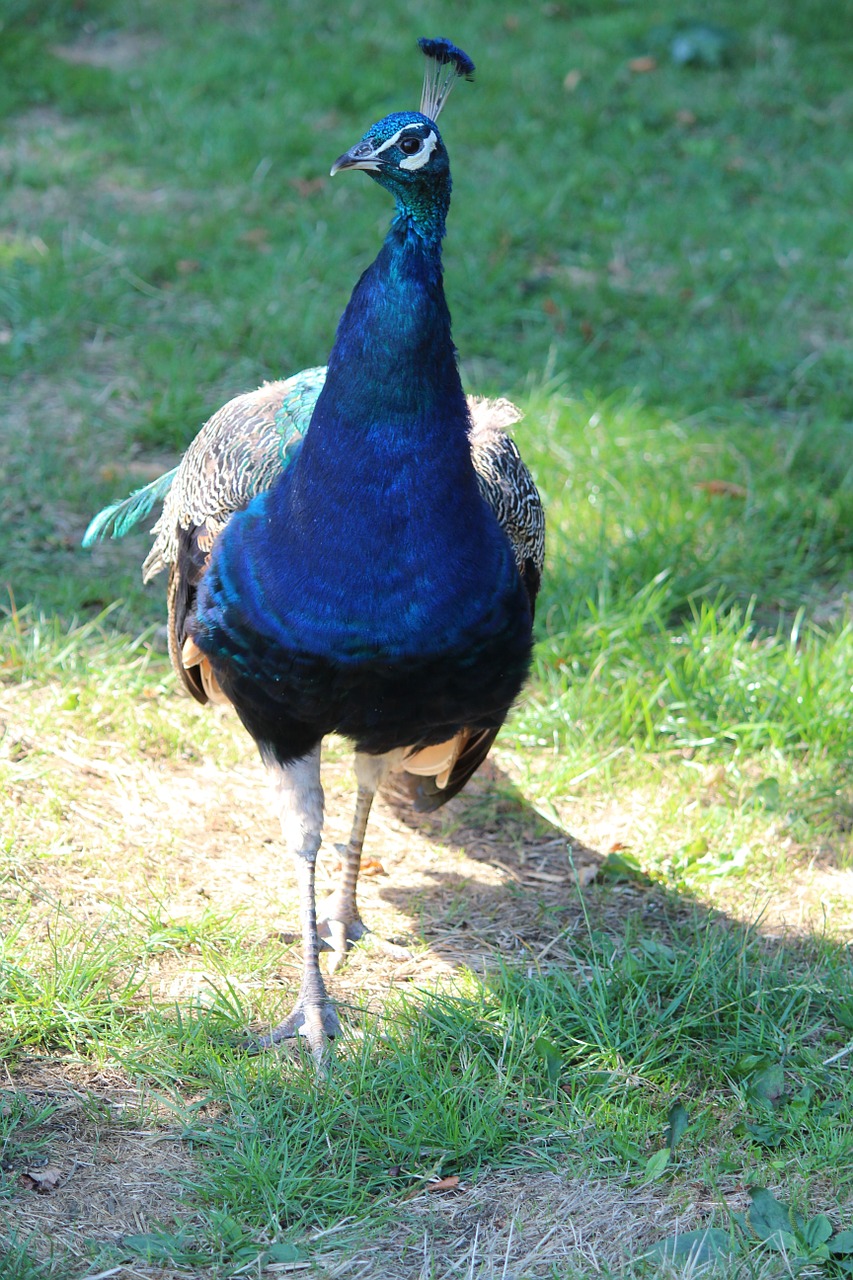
{"x": 341, "y": 924}
{"x": 299, "y": 798}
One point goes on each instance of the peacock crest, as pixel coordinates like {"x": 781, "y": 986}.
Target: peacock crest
{"x": 445, "y": 65}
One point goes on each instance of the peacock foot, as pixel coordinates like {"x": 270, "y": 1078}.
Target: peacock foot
{"x": 340, "y": 929}
{"x": 316, "y": 1020}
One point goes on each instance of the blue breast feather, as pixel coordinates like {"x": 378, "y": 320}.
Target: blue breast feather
{"x": 375, "y": 542}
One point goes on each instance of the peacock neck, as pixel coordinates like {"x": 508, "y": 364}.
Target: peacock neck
{"x": 423, "y": 215}
{"x": 393, "y": 361}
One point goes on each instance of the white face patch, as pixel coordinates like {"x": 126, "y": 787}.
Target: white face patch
{"x": 417, "y": 161}
{"x": 391, "y": 141}
{"x": 422, "y": 157}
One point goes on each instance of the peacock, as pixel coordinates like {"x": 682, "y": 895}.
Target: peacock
{"x": 357, "y": 549}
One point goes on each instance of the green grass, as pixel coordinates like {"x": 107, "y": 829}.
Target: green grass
{"x": 459, "y": 1082}
{"x": 510, "y": 1072}
{"x": 656, "y": 265}
{"x": 19, "y": 1264}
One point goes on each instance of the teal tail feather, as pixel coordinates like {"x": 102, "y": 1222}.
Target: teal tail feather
{"x": 119, "y": 518}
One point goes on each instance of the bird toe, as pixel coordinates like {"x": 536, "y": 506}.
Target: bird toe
{"x": 317, "y": 1021}
{"x": 339, "y": 936}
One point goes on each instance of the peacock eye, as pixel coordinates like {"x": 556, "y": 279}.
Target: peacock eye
{"x": 409, "y": 146}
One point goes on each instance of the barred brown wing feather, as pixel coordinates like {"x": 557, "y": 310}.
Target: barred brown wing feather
{"x": 237, "y": 453}
{"x": 508, "y": 487}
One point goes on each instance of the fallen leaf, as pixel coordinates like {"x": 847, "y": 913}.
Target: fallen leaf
{"x": 306, "y": 187}
{"x": 721, "y": 488}
{"x": 372, "y": 867}
{"x": 714, "y": 775}
{"x": 255, "y": 235}
{"x": 444, "y": 1184}
{"x": 700, "y": 44}
{"x": 640, "y": 66}
{"x": 543, "y": 877}
{"x": 42, "y": 1180}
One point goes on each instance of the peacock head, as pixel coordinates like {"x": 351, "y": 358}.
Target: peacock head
{"x": 401, "y": 151}
{"x": 404, "y": 151}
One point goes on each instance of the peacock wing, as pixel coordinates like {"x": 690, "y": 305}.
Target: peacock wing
{"x": 433, "y": 775}
{"x": 508, "y": 487}
{"x": 237, "y": 454}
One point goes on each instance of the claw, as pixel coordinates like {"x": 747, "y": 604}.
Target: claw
{"x": 318, "y": 1023}
{"x": 340, "y": 934}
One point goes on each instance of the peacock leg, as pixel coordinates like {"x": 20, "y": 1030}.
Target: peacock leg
{"x": 299, "y": 798}
{"x": 341, "y": 924}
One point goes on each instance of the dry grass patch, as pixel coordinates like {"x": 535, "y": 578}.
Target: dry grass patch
{"x": 97, "y": 829}
{"x": 112, "y": 1164}
{"x": 116, "y": 50}
{"x": 521, "y": 1224}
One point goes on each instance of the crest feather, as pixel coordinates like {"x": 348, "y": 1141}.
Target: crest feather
{"x": 445, "y": 65}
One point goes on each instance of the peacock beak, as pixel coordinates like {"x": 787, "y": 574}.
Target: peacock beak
{"x": 362, "y": 156}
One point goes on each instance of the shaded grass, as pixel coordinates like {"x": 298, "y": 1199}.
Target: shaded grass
{"x": 21, "y": 1132}
{"x": 20, "y": 1264}
{"x": 457, "y": 1083}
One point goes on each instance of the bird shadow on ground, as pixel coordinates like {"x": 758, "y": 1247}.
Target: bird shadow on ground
{"x": 510, "y": 884}
{"x": 516, "y": 881}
